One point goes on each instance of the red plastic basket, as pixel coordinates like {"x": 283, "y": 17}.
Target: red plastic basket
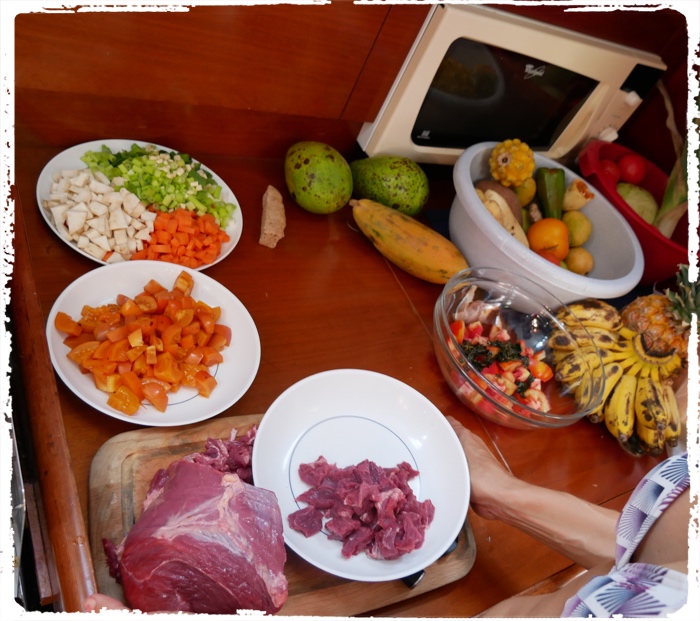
{"x": 661, "y": 254}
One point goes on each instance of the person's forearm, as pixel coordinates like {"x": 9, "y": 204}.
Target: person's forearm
{"x": 580, "y": 530}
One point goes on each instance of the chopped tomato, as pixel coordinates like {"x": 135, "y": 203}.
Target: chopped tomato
{"x": 474, "y": 330}
{"x": 146, "y": 302}
{"x": 107, "y": 382}
{"x": 210, "y": 356}
{"x": 218, "y": 341}
{"x": 124, "y": 400}
{"x": 156, "y": 395}
{"x": 458, "y": 328}
{"x": 184, "y": 283}
{"x": 74, "y": 341}
{"x": 65, "y": 323}
{"x": 207, "y": 320}
{"x": 136, "y": 338}
{"x": 117, "y": 334}
{"x": 146, "y": 346}
{"x": 166, "y": 368}
{"x": 132, "y": 380}
{"x": 541, "y": 370}
{"x": 224, "y": 331}
{"x": 81, "y": 352}
{"x": 153, "y": 286}
{"x": 205, "y": 383}
{"x": 117, "y": 351}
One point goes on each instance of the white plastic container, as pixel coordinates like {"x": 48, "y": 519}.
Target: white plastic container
{"x": 619, "y": 261}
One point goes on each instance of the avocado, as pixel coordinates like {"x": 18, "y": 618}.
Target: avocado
{"x": 318, "y": 177}
{"x": 391, "y": 180}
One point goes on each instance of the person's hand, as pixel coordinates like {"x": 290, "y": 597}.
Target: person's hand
{"x": 98, "y": 601}
{"x": 488, "y": 477}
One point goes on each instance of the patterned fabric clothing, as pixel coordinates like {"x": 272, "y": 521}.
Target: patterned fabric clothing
{"x": 639, "y": 589}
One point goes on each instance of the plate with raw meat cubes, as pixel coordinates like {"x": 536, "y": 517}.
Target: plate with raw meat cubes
{"x": 371, "y": 479}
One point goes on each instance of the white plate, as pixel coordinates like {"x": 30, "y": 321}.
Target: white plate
{"x": 70, "y": 159}
{"x": 102, "y": 285}
{"x": 349, "y": 415}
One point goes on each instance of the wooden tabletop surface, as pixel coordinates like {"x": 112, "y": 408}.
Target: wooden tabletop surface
{"x": 322, "y": 299}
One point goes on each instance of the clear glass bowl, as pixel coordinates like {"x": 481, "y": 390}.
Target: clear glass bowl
{"x": 529, "y": 313}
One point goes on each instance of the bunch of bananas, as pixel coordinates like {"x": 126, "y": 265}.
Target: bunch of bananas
{"x": 639, "y": 404}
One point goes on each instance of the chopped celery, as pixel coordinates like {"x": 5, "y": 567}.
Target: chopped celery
{"x": 166, "y": 180}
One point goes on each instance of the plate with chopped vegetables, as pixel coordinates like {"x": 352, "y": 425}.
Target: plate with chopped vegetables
{"x": 160, "y": 346}
{"x": 121, "y": 200}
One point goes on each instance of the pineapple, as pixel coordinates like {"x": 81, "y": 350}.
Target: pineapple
{"x": 511, "y": 162}
{"x": 664, "y": 320}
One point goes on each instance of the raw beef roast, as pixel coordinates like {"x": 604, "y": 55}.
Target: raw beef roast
{"x": 369, "y": 508}
{"x": 206, "y": 542}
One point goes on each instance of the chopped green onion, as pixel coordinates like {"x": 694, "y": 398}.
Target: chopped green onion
{"x": 166, "y": 180}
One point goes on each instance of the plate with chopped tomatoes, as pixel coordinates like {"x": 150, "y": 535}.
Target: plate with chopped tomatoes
{"x": 120, "y": 200}
{"x": 162, "y": 346}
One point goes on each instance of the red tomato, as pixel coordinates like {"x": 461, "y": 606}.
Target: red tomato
{"x": 611, "y": 170}
{"x": 632, "y": 168}
{"x": 458, "y": 327}
{"x": 550, "y": 256}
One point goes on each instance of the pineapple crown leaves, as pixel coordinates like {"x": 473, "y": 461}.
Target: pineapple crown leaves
{"x": 686, "y": 301}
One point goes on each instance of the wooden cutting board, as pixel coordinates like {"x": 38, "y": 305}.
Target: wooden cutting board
{"x": 120, "y": 476}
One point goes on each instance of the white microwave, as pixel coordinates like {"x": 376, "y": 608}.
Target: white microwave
{"x": 477, "y": 74}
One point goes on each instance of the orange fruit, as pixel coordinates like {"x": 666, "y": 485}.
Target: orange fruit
{"x": 549, "y": 234}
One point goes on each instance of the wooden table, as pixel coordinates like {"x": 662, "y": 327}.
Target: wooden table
{"x": 323, "y": 299}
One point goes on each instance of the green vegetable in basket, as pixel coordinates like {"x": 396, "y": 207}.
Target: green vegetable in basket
{"x": 675, "y": 200}
{"x": 551, "y": 185}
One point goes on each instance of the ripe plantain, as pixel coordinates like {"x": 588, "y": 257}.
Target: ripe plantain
{"x": 619, "y": 408}
{"x": 574, "y": 364}
{"x": 594, "y": 313}
{"x": 639, "y": 406}
{"x": 612, "y": 372}
{"x": 651, "y": 440}
{"x": 649, "y": 404}
{"x": 672, "y": 433}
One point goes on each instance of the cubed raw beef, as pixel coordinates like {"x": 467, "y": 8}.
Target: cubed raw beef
{"x": 369, "y": 508}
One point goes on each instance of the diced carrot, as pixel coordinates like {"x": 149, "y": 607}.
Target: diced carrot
{"x": 184, "y": 238}
{"x": 159, "y": 248}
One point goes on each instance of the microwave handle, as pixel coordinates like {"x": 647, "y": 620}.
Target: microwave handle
{"x": 577, "y": 131}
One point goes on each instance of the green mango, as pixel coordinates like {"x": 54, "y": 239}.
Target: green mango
{"x": 391, "y": 180}
{"x": 318, "y": 177}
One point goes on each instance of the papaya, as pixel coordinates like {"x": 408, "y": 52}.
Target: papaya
{"x": 408, "y": 243}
